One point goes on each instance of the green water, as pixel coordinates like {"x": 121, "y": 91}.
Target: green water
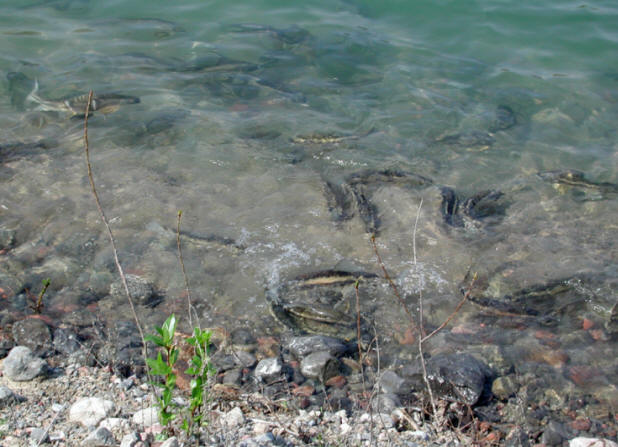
{"x": 397, "y": 79}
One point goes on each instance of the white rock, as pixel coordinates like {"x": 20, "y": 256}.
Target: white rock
{"x": 170, "y": 442}
{"x": 114, "y": 424}
{"x": 129, "y": 440}
{"x": 90, "y": 411}
{"x": 268, "y": 369}
{"x": 344, "y": 428}
{"x": 146, "y": 417}
{"x": 234, "y": 417}
{"x": 591, "y": 442}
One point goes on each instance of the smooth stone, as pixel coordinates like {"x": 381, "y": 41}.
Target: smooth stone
{"x": 8, "y": 397}
{"x": 99, "y": 438}
{"x": 504, "y": 387}
{"x": 146, "y": 417}
{"x": 234, "y": 418}
{"x": 391, "y": 382}
{"x": 264, "y": 440}
{"x": 554, "y": 434}
{"x": 268, "y": 369}
{"x": 38, "y": 436}
{"x": 320, "y": 365}
{"x": 244, "y": 359}
{"x": 386, "y": 403}
{"x": 301, "y": 347}
{"x": 21, "y": 365}
{"x": 129, "y": 440}
{"x": 34, "y": 334}
{"x": 170, "y": 442}
{"x": 232, "y": 377}
{"x": 89, "y": 411}
{"x": 591, "y": 442}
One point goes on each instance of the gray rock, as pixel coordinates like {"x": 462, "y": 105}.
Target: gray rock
{"x": 99, "y": 438}
{"x": 263, "y": 440}
{"x": 7, "y": 237}
{"x": 90, "y": 411}
{"x": 66, "y": 341}
{"x": 171, "y": 442}
{"x": 38, "y": 436}
{"x": 21, "y": 365}
{"x": 244, "y": 359}
{"x": 34, "y": 334}
{"x": 142, "y": 291}
{"x": 232, "y": 377}
{"x": 146, "y": 417}
{"x": 8, "y": 397}
{"x": 554, "y": 434}
{"x": 234, "y": 418}
{"x": 129, "y": 440}
{"x": 301, "y": 347}
{"x": 454, "y": 377}
{"x": 391, "y": 382}
{"x": 386, "y": 403}
{"x": 268, "y": 369}
{"x": 320, "y": 365}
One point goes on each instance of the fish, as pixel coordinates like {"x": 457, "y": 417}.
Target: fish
{"x": 76, "y": 105}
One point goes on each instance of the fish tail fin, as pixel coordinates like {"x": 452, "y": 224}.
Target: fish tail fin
{"x": 32, "y": 96}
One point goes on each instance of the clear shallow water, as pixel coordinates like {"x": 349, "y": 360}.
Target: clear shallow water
{"x": 215, "y": 137}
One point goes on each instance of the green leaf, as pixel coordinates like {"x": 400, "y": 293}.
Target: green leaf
{"x": 158, "y": 367}
{"x": 169, "y": 327}
{"x": 156, "y": 340}
{"x": 173, "y": 356}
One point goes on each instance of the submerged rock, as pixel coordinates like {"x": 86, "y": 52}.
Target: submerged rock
{"x": 455, "y": 377}
{"x": 34, "y": 334}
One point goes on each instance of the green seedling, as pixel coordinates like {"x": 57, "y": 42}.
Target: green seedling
{"x": 201, "y": 369}
{"x": 165, "y": 368}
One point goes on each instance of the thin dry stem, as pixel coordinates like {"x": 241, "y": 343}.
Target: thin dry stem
{"x": 390, "y": 281}
{"x": 450, "y": 317}
{"x": 109, "y": 231}
{"x": 420, "y": 316}
{"x": 191, "y": 310}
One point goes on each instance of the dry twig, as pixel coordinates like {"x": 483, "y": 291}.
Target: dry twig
{"x": 109, "y": 231}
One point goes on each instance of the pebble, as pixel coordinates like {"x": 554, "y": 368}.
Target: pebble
{"x": 170, "y": 442}
{"x": 504, "y": 387}
{"x": 301, "y": 347}
{"x": 8, "y": 397}
{"x": 234, "y": 418}
{"x": 38, "y": 436}
{"x": 390, "y": 382}
{"x": 591, "y": 442}
{"x": 268, "y": 369}
{"x": 320, "y": 365}
{"x": 129, "y": 440}
{"x": 146, "y": 417}
{"x": 100, "y": 437}
{"x": 90, "y": 411}
{"x": 21, "y": 365}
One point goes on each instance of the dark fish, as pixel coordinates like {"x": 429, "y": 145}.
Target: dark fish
{"x": 470, "y": 212}
{"x": 13, "y": 150}
{"x": 76, "y": 105}
{"x": 20, "y": 86}
{"x": 576, "y": 179}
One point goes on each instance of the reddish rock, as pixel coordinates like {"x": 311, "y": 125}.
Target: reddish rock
{"x": 581, "y": 424}
{"x": 587, "y": 324}
{"x": 304, "y": 391}
{"x": 582, "y": 374}
{"x": 336, "y": 381}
